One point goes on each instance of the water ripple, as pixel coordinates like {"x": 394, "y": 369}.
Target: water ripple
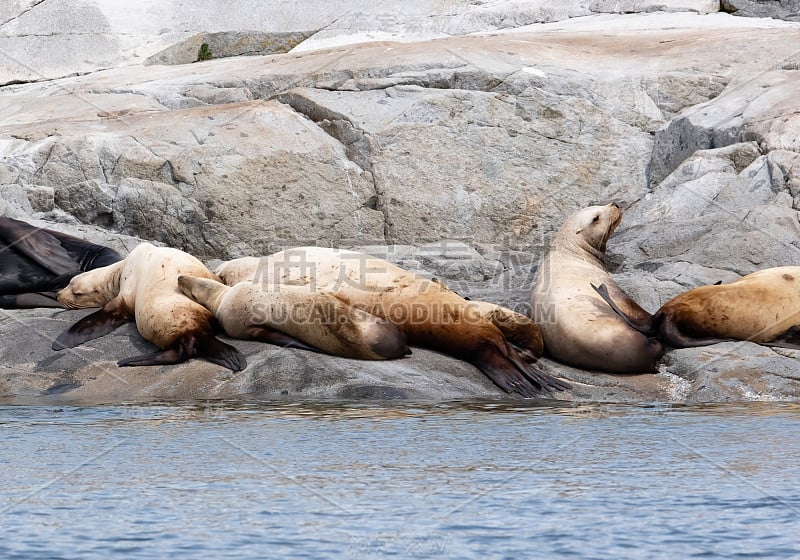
{"x": 362, "y": 480}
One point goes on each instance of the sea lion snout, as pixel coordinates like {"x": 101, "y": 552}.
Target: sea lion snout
{"x": 185, "y": 285}
{"x": 63, "y": 299}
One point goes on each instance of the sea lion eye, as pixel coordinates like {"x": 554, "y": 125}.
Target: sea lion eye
{"x": 596, "y": 219}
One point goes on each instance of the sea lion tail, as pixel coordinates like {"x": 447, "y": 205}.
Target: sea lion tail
{"x": 509, "y": 371}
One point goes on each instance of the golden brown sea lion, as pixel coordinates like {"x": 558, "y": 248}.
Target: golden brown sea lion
{"x": 579, "y": 328}
{"x": 144, "y": 287}
{"x": 762, "y": 307}
{"x": 257, "y": 312}
{"x": 430, "y": 314}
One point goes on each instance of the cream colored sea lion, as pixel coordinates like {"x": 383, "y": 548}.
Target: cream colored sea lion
{"x": 430, "y": 314}
{"x": 253, "y": 312}
{"x": 579, "y": 328}
{"x": 144, "y": 287}
{"x": 762, "y": 307}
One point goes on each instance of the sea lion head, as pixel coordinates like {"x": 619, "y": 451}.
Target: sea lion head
{"x": 591, "y": 227}
{"x": 94, "y": 288}
{"x": 204, "y": 291}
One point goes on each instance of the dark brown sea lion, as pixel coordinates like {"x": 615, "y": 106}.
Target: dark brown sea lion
{"x": 36, "y": 262}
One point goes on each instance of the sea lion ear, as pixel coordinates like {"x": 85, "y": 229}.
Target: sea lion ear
{"x": 578, "y": 231}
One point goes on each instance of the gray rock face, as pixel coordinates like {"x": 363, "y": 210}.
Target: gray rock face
{"x": 780, "y": 9}
{"x": 89, "y": 374}
{"x": 456, "y": 158}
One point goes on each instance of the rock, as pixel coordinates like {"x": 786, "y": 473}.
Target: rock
{"x": 708, "y": 220}
{"x": 732, "y": 371}
{"x": 89, "y": 374}
{"x": 456, "y": 158}
{"x": 780, "y": 9}
{"x": 57, "y": 38}
{"x": 541, "y": 119}
{"x": 755, "y": 108}
{"x": 227, "y": 44}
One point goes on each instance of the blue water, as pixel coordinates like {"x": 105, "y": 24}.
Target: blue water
{"x": 479, "y": 480}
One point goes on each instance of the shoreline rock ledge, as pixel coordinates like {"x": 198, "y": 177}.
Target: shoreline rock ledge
{"x": 450, "y": 137}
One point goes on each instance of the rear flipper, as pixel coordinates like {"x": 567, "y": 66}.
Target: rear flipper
{"x": 548, "y": 382}
{"x": 644, "y": 327}
{"x": 520, "y": 331}
{"x": 278, "y": 338}
{"x": 670, "y": 334}
{"x": 525, "y": 353}
{"x": 98, "y": 324}
{"x": 790, "y": 339}
{"x": 508, "y": 370}
{"x": 203, "y": 345}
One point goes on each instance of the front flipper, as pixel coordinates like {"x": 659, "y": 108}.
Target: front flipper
{"x": 203, "y": 345}
{"x": 99, "y": 323}
{"x": 29, "y": 300}
{"x": 278, "y": 338}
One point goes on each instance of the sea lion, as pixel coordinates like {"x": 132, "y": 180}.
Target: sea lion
{"x": 36, "y": 262}
{"x": 320, "y": 320}
{"x": 326, "y": 272}
{"x": 579, "y": 328}
{"x": 144, "y": 287}
{"x": 762, "y": 307}
{"x": 430, "y": 314}
{"x": 518, "y": 329}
